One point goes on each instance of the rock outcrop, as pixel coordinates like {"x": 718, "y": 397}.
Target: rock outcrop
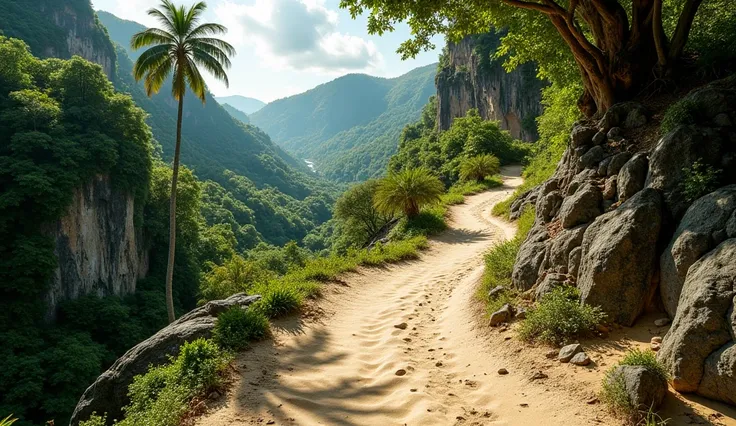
{"x": 469, "y": 78}
{"x": 644, "y": 389}
{"x": 619, "y": 252}
{"x": 642, "y": 236}
{"x": 109, "y": 393}
{"x": 99, "y": 249}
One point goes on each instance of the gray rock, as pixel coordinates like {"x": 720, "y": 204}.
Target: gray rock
{"x": 580, "y": 358}
{"x": 581, "y": 207}
{"x": 561, "y": 246}
{"x": 582, "y": 135}
{"x": 662, "y": 322}
{"x": 496, "y": 291}
{"x": 610, "y": 188}
{"x": 549, "y": 205}
{"x": 526, "y": 199}
{"x": 548, "y": 186}
{"x": 530, "y": 258}
{"x": 645, "y": 389}
{"x": 628, "y": 115}
{"x": 731, "y": 226}
{"x": 618, "y": 256}
{"x": 550, "y": 282}
{"x": 700, "y": 230}
{"x": 520, "y": 314}
{"x": 617, "y": 162}
{"x": 711, "y": 101}
{"x": 502, "y": 315}
{"x": 614, "y": 133}
{"x": 603, "y": 167}
{"x": 580, "y": 179}
{"x": 701, "y": 325}
{"x": 573, "y": 264}
{"x": 591, "y": 158}
{"x": 719, "y": 375}
{"x": 632, "y": 176}
{"x": 109, "y": 393}
{"x": 683, "y": 146}
{"x": 569, "y": 351}
{"x": 599, "y": 138}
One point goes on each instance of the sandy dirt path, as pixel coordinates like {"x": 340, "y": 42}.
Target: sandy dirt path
{"x": 347, "y": 363}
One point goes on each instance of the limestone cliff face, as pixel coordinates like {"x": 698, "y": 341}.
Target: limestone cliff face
{"x": 72, "y": 29}
{"x": 99, "y": 249}
{"x": 469, "y": 78}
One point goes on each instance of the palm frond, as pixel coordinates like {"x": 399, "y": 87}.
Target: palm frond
{"x": 214, "y": 52}
{"x": 162, "y": 17}
{"x": 212, "y": 65}
{"x": 196, "y": 81}
{"x": 151, "y": 59}
{"x": 194, "y": 13}
{"x": 207, "y": 29}
{"x": 149, "y": 37}
{"x": 156, "y": 77}
{"x": 213, "y": 42}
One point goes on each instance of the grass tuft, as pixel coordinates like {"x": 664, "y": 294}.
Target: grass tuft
{"x": 236, "y": 327}
{"x": 559, "y": 318}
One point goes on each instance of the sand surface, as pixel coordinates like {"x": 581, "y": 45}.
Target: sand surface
{"x": 347, "y": 363}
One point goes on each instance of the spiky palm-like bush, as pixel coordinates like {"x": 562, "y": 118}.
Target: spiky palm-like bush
{"x": 407, "y": 192}
{"x": 479, "y": 167}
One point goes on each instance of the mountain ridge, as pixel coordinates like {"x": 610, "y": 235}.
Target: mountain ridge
{"x": 244, "y": 104}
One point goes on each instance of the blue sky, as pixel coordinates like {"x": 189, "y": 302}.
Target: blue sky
{"x": 289, "y": 46}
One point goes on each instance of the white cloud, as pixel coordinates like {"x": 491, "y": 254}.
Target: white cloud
{"x": 298, "y": 34}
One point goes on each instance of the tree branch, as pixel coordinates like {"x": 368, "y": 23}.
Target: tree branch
{"x": 679, "y": 38}
{"x": 530, "y": 6}
{"x": 659, "y": 35}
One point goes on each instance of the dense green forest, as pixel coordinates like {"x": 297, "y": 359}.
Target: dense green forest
{"x": 244, "y": 170}
{"x": 348, "y": 126}
{"x": 236, "y": 113}
{"x": 242, "y": 103}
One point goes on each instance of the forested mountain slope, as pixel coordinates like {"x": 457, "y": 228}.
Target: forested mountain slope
{"x": 242, "y": 103}
{"x": 350, "y": 126}
{"x": 236, "y": 113}
{"x": 263, "y": 192}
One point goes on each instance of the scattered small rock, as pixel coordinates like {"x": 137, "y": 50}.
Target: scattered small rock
{"x": 521, "y": 314}
{"x": 401, "y": 326}
{"x": 614, "y": 133}
{"x": 502, "y": 315}
{"x": 580, "y": 358}
{"x": 552, "y": 353}
{"x": 592, "y": 401}
{"x": 524, "y": 404}
{"x": 662, "y": 322}
{"x": 270, "y": 422}
{"x": 569, "y": 351}
{"x": 656, "y": 339}
{"x": 438, "y": 364}
{"x": 539, "y": 375}
{"x": 413, "y": 390}
{"x": 655, "y": 346}
{"x": 503, "y": 371}
{"x": 495, "y": 291}
{"x": 400, "y": 372}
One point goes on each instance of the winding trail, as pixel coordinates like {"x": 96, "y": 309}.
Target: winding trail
{"x": 343, "y": 364}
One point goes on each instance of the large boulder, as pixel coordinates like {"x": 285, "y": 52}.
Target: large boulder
{"x": 561, "y": 245}
{"x": 582, "y": 135}
{"x": 617, "y": 162}
{"x": 701, "y": 229}
{"x": 719, "y": 375}
{"x": 549, "y": 205}
{"x": 591, "y": 158}
{"x": 530, "y": 258}
{"x": 109, "y": 393}
{"x": 580, "y": 179}
{"x": 628, "y": 115}
{"x": 550, "y": 282}
{"x": 581, "y": 207}
{"x": 703, "y": 323}
{"x": 644, "y": 388}
{"x": 676, "y": 150}
{"x": 632, "y": 176}
{"x": 619, "y": 251}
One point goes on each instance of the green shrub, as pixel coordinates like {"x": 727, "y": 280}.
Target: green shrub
{"x": 407, "y": 191}
{"x": 560, "y": 317}
{"x": 699, "y": 180}
{"x": 161, "y": 396}
{"x": 236, "y": 327}
{"x": 452, "y": 198}
{"x": 682, "y": 112}
{"x": 613, "y": 391}
{"x": 479, "y": 167}
{"x": 278, "y": 301}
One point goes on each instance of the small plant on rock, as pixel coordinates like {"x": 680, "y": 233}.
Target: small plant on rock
{"x": 236, "y": 327}
{"x": 559, "y": 318}
{"x": 699, "y": 180}
{"x": 614, "y": 393}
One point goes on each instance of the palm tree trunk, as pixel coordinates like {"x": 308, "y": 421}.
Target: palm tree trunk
{"x": 172, "y": 218}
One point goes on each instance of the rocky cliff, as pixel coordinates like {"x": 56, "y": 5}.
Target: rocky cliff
{"x": 59, "y": 29}
{"x": 469, "y": 77}
{"x": 99, "y": 249}
{"x": 638, "y": 226}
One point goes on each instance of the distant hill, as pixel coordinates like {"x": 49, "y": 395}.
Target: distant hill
{"x": 350, "y": 126}
{"x": 240, "y": 158}
{"x": 242, "y": 103}
{"x": 236, "y": 113}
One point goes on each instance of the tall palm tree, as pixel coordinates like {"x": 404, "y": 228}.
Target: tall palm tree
{"x": 181, "y": 46}
{"x": 407, "y": 192}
